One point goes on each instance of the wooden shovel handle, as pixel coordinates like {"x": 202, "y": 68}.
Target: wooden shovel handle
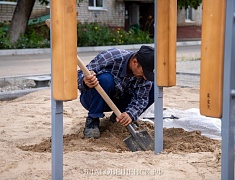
{"x": 99, "y": 89}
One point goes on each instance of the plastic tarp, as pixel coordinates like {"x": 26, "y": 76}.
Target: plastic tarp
{"x": 189, "y": 120}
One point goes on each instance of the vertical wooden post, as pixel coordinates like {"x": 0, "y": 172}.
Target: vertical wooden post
{"x": 212, "y": 55}
{"x": 166, "y": 42}
{"x": 64, "y": 49}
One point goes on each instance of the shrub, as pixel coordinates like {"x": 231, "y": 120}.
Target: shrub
{"x": 93, "y": 34}
{"x": 89, "y": 34}
{"x": 4, "y": 40}
{"x": 96, "y": 34}
{"x": 35, "y": 37}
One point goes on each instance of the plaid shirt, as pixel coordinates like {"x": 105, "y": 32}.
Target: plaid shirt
{"x": 115, "y": 61}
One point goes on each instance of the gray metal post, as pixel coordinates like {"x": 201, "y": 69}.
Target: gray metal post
{"x": 57, "y": 139}
{"x": 228, "y": 117}
{"x": 158, "y": 101}
{"x": 158, "y": 120}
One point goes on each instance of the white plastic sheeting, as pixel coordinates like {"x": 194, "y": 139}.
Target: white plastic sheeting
{"x": 189, "y": 120}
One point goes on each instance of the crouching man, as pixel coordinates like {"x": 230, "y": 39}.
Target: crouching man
{"x": 127, "y": 78}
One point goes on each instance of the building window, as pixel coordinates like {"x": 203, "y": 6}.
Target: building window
{"x": 96, "y": 5}
{"x": 189, "y": 14}
{"x": 8, "y": 2}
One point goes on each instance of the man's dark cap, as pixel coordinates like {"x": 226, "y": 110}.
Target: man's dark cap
{"x": 145, "y": 56}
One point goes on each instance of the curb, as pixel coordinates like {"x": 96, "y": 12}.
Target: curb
{"x": 87, "y": 49}
{"x": 188, "y": 74}
{"x": 10, "y": 95}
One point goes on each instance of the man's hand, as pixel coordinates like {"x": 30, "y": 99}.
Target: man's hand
{"x": 124, "y": 119}
{"x": 91, "y": 81}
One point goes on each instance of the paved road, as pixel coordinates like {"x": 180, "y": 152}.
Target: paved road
{"x": 27, "y": 65}
{"x": 188, "y": 52}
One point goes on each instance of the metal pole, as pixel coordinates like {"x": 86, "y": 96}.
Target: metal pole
{"x": 57, "y": 139}
{"x": 158, "y": 120}
{"x": 228, "y": 117}
{"x": 158, "y": 99}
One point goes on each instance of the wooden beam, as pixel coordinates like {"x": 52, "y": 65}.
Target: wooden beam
{"x": 166, "y": 42}
{"x": 64, "y": 49}
{"x": 212, "y": 54}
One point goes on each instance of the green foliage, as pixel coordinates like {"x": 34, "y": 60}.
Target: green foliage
{"x": 96, "y": 34}
{"x": 4, "y": 40}
{"x": 186, "y": 3}
{"x": 34, "y": 38}
{"x": 93, "y": 34}
{"x": 89, "y": 34}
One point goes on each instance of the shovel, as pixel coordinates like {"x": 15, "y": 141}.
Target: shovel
{"x": 138, "y": 140}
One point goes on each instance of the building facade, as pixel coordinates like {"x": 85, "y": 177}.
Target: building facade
{"x": 189, "y": 17}
{"x": 115, "y": 13}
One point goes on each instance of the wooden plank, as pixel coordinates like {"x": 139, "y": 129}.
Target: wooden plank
{"x": 64, "y": 49}
{"x": 212, "y": 54}
{"x": 166, "y": 42}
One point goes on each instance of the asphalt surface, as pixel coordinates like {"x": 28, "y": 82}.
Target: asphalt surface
{"x": 40, "y": 64}
{"x": 31, "y": 64}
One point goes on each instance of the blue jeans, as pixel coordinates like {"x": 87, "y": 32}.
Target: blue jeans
{"x": 94, "y": 103}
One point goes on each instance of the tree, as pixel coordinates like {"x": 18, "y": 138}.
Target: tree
{"x": 20, "y": 18}
{"x": 186, "y": 3}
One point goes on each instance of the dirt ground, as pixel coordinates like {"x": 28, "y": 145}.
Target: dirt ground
{"x": 25, "y": 144}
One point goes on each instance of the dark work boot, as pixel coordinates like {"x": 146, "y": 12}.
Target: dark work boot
{"x": 91, "y": 129}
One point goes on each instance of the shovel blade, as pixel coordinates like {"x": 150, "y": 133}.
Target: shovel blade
{"x": 132, "y": 144}
{"x": 145, "y": 140}
{"x": 141, "y": 142}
